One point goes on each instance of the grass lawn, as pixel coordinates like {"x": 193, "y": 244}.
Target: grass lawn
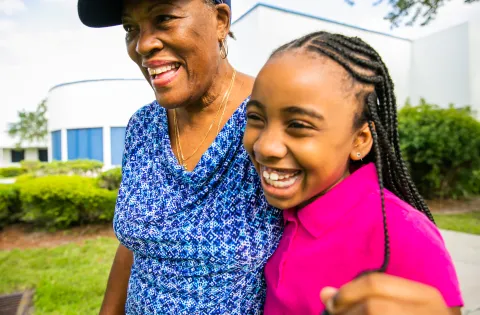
{"x": 71, "y": 279}
{"x": 68, "y": 279}
{"x": 464, "y": 222}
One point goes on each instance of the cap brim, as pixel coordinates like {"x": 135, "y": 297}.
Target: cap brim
{"x": 100, "y": 13}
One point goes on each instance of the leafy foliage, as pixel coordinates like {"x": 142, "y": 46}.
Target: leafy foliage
{"x": 442, "y": 148}
{"x": 31, "y": 126}
{"x": 57, "y": 202}
{"x": 408, "y": 12}
{"x": 11, "y": 171}
{"x": 110, "y": 179}
{"x": 73, "y": 167}
{"x": 9, "y": 205}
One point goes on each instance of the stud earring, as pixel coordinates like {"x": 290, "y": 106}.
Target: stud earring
{"x": 359, "y": 156}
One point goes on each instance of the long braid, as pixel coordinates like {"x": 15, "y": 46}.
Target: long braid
{"x": 366, "y": 66}
{"x": 378, "y": 164}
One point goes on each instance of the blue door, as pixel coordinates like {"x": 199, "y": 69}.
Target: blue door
{"x": 117, "y": 142}
{"x": 57, "y": 145}
{"x": 85, "y": 144}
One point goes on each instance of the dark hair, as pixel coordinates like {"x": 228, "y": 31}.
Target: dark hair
{"x": 379, "y": 110}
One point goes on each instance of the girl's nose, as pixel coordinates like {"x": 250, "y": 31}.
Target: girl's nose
{"x": 269, "y": 145}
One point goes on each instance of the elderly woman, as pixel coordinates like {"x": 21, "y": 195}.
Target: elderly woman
{"x": 194, "y": 228}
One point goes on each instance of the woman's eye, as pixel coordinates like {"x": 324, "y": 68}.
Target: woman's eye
{"x": 128, "y": 28}
{"x": 163, "y": 18}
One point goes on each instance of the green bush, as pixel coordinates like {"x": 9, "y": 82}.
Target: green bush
{"x": 9, "y": 205}
{"x": 12, "y": 171}
{"x": 62, "y": 201}
{"x": 73, "y": 167}
{"x": 25, "y": 177}
{"x": 31, "y": 166}
{"x": 110, "y": 179}
{"x": 442, "y": 149}
{"x": 77, "y": 167}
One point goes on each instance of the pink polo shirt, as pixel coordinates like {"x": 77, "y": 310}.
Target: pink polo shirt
{"x": 332, "y": 240}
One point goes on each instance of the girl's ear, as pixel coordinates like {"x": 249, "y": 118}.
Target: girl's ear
{"x": 362, "y": 144}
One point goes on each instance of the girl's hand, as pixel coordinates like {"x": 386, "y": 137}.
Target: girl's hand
{"x": 381, "y": 294}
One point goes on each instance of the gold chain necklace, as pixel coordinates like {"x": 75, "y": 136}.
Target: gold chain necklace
{"x": 225, "y": 99}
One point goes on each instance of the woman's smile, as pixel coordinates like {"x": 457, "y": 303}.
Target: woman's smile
{"x": 162, "y": 73}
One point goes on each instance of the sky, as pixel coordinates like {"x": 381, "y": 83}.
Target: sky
{"x": 43, "y": 43}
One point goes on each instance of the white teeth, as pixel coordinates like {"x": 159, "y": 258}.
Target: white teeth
{"x": 279, "y": 180}
{"x": 276, "y": 176}
{"x": 266, "y": 175}
{"x": 282, "y": 184}
{"x": 162, "y": 69}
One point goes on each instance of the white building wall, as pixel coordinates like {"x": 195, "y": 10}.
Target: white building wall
{"x": 440, "y": 68}
{"x": 274, "y": 27}
{"x": 31, "y": 154}
{"x": 474, "y": 64}
{"x": 246, "y": 45}
{"x": 5, "y": 157}
{"x": 95, "y": 104}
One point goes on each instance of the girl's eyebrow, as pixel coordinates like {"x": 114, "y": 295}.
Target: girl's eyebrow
{"x": 303, "y": 111}
{"x": 254, "y": 103}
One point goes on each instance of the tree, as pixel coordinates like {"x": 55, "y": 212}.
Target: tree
{"x": 31, "y": 126}
{"x": 407, "y": 12}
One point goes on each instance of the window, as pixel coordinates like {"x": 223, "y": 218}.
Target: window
{"x": 57, "y": 145}
{"x": 117, "y": 135}
{"x": 85, "y": 144}
{"x": 18, "y": 156}
{"x": 43, "y": 155}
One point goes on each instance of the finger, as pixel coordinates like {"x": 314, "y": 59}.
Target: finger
{"x": 377, "y": 285}
{"x": 327, "y": 294}
{"x": 376, "y": 306}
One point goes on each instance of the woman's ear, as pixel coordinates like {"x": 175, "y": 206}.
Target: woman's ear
{"x": 223, "y": 20}
{"x": 362, "y": 144}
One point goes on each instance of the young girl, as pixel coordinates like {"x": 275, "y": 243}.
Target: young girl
{"x": 322, "y": 133}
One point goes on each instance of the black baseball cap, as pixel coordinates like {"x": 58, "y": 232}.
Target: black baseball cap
{"x": 104, "y": 13}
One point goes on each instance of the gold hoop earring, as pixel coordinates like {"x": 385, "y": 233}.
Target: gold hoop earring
{"x": 223, "y": 49}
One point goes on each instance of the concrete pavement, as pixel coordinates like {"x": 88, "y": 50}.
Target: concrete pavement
{"x": 465, "y": 251}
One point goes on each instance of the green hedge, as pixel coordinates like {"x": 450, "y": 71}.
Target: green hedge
{"x": 57, "y": 202}
{"x": 442, "y": 148}
{"x": 75, "y": 167}
{"x": 110, "y": 179}
{"x": 11, "y": 171}
{"x": 10, "y": 210}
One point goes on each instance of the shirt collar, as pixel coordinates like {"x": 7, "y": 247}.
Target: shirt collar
{"x": 325, "y": 212}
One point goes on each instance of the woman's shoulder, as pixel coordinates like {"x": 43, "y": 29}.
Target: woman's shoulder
{"x": 146, "y": 113}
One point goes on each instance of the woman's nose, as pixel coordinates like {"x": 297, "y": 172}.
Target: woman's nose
{"x": 148, "y": 41}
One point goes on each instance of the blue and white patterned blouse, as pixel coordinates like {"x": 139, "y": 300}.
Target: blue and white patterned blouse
{"x": 200, "y": 239}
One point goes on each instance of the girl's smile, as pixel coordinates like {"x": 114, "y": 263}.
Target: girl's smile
{"x": 280, "y": 183}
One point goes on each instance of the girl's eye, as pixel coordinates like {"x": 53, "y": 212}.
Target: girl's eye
{"x": 254, "y": 120}
{"x": 253, "y": 117}
{"x": 299, "y": 125}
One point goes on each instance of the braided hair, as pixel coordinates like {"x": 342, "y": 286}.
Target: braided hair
{"x": 379, "y": 109}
